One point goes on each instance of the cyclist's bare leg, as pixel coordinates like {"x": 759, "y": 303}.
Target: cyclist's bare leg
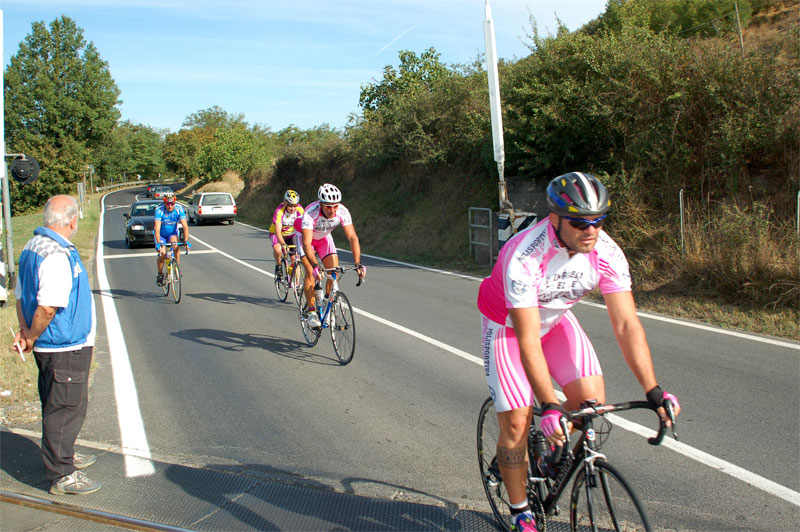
{"x": 308, "y": 281}
{"x": 331, "y": 261}
{"x": 174, "y": 240}
{"x": 582, "y": 389}
{"x": 512, "y": 456}
{"x": 277, "y": 253}
{"x": 162, "y": 252}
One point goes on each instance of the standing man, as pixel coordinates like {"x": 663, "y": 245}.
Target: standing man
{"x": 57, "y": 321}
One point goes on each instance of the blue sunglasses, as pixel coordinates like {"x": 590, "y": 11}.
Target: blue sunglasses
{"x": 582, "y": 224}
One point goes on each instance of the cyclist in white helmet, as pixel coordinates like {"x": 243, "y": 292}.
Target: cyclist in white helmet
{"x": 315, "y": 226}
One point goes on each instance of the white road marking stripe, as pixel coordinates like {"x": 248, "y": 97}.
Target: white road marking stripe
{"x": 131, "y": 426}
{"x": 764, "y": 484}
{"x": 152, "y": 254}
{"x": 707, "y": 328}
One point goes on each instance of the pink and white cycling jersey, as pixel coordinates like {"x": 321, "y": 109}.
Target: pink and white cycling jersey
{"x": 534, "y": 270}
{"x": 313, "y": 219}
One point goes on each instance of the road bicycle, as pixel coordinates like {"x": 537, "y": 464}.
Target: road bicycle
{"x": 292, "y": 278}
{"x": 172, "y": 271}
{"x": 600, "y": 498}
{"x": 335, "y": 313}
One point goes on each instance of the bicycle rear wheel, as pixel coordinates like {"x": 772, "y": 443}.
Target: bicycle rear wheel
{"x": 176, "y": 283}
{"x": 343, "y": 328}
{"x": 605, "y": 501}
{"x": 488, "y": 433}
{"x": 165, "y": 279}
{"x": 282, "y": 283}
{"x": 311, "y": 334}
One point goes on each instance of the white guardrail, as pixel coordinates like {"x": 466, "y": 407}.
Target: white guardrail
{"x": 134, "y": 184}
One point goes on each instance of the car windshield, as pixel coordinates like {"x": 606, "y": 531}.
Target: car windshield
{"x": 148, "y": 209}
{"x": 217, "y": 199}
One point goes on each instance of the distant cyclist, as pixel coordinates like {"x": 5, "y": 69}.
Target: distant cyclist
{"x": 316, "y": 224}
{"x": 169, "y": 217}
{"x": 282, "y": 230}
{"x": 529, "y": 333}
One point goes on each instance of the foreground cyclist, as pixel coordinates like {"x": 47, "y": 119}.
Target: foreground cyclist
{"x": 319, "y": 219}
{"x": 167, "y": 229}
{"x": 282, "y": 230}
{"x": 529, "y": 333}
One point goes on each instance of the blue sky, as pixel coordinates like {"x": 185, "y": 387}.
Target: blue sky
{"x": 278, "y": 62}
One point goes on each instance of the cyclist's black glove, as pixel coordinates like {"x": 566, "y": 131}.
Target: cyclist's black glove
{"x": 656, "y": 398}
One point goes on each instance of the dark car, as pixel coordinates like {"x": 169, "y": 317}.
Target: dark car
{"x": 140, "y": 221}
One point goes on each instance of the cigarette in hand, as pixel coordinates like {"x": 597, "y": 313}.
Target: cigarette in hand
{"x": 16, "y": 344}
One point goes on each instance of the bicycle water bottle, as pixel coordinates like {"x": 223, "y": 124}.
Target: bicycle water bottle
{"x": 543, "y": 453}
{"x": 319, "y": 296}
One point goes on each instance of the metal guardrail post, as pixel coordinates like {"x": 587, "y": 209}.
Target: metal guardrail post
{"x": 476, "y": 227}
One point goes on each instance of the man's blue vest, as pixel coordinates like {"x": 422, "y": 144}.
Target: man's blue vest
{"x": 72, "y": 324}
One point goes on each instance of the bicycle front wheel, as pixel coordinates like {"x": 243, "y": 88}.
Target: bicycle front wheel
{"x": 488, "y": 433}
{"x": 298, "y": 276}
{"x": 166, "y": 279}
{"x": 282, "y": 283}
{"x": 605, "y": 500}
{"x": 176, "y": 283}
{"x": 311, "y": 334}
{"x": 343, "y": 328}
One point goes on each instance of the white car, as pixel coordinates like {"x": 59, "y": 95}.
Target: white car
{"x": 216, "y": 206}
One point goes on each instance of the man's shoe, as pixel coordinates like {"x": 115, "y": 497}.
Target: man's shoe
{"x": 278, "y": 271}
{"x": 313, "y": 319}
{"x": 524, "y": 522}
{"x": 82, "y": 461}
{"x": 76, "y": 483}
{"x": 160, "y": 279}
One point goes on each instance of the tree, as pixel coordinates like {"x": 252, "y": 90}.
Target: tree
{"x": 60, "y": 104}
{"x": 415, "y": 74}
{"x": 214, "y": 118}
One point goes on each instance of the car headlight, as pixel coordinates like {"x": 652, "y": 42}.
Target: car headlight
{"x": 137, "y": 227}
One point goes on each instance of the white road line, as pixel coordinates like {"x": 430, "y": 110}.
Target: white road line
{"x": 708, "y": 328}
{"x": 152, "y": 254}
{"x": 735, "y": 471}
{"x": 131, "y": 426}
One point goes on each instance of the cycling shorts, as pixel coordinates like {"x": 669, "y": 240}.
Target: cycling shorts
{"x": 165, "y": 236}
{"x": 567, "y": 350}
{"x": 324, "y": 246}
{"x": 288, "y": 239}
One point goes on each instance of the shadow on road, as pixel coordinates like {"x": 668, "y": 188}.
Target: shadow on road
{"x": 237, "y": 342}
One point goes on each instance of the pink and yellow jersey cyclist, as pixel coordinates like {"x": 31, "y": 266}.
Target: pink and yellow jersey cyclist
{"x": 282, "y": 230}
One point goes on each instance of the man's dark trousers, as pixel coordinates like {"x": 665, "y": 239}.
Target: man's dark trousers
{"x": 64, "y": 392}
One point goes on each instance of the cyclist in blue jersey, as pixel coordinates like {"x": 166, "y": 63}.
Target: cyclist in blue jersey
{"x": 169, "y": 218}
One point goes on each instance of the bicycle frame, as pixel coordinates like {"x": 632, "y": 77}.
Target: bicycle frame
{"x": 586, "y": 453}
{"x": 331, "y": 274}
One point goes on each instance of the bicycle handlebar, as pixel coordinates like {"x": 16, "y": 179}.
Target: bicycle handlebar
{"x": 598, "y": 410}
{"x": 187, "y": 245}
{"x": 340, "y": 270}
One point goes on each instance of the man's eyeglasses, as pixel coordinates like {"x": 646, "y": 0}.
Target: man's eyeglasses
{"x": 334, "y": 206}
{"x": 582, "y": 224}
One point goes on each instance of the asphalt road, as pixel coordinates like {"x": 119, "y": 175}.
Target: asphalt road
{"x": 225, "y": 377}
